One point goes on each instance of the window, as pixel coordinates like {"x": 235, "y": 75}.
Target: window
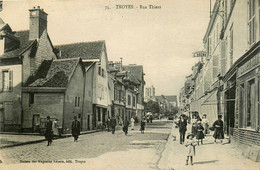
{"x": 133, "y": 101}
{"x": 241, "y": 104}
{"x": 31, "y": 98}
{"x": 251, "y": 22}
{"x": 6, "y": 80}
{"x": 99, "y": 71}
{"x": 250, "y": 113}
{"x": 129, "y": 99}
{"x": 77, "y": 100}
{"x": 120, "y": 95}
{"x": 103, "y": 73}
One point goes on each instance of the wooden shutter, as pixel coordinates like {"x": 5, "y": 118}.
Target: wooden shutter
{"x": 1, "y": 81}
{"x": 10, "y": 80}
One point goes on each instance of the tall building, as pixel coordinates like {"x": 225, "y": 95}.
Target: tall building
{"x": 149, "y": 93}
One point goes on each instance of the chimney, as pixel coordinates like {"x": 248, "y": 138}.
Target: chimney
{"x": 38, "y": 22}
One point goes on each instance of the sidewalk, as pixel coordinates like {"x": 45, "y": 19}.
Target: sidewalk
{"x": 208, "y": 156}
{"x": 17, "y": 139}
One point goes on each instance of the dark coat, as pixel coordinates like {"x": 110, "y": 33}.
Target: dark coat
{"x": 142, "y": 125}
{"x": 49, "y": 132}
{"x": 219, "y": 133}
{"x": 126, "y": 124}
{"x": 113, "y": 122}
{"x": 182, "y": 125}
{"x": 199, "y": 132}
{"x": 75, "y": 128}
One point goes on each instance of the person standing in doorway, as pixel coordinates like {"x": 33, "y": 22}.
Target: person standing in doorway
{"x": 219, "y": 132}
{"x": 55, "y": 127}
{"x": 75, "y": 129}
{"x": 182, "y": 128}
{"x": 49, "y": 131}
{"x": 125, "y": 126}
{"x": 132, "y": 123}
{"x": 113, "y": 124}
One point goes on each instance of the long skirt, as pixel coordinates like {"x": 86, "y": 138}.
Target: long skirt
{"x": 199, "y": 135}
{"x": 218, "y": 134}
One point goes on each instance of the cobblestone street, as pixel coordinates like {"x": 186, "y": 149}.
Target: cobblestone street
{"x": 96, "y": 146}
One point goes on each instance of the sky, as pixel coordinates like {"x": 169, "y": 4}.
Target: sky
{"x": 162, "y": 40}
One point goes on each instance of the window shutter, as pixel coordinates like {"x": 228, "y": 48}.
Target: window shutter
{"x": 1, "y": 81}
{"x": 10, "y": 80}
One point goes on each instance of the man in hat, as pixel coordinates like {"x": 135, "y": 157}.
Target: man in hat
{"x": 75, "y": 129}
{"x": 182, "y": 128}
{"x": 219, "y": 132}
{"x": 48, "y": 132}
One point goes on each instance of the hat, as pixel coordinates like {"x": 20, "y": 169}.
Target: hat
{"x": 219, "y": 116}
{"x": 190, "y": 134}
{"x": 199, "y": 122}
{"x": 48, "y": 117}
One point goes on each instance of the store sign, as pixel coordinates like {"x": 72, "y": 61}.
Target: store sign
{"x": 249, "y": 64}
{"x": 199, "y": 54}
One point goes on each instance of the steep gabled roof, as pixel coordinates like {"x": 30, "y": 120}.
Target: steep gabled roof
{"x": 136, "y": 70}
{"x": 85, "y": 50}
{"x": 23, "y": 37}
{"x": 54, "y": 73}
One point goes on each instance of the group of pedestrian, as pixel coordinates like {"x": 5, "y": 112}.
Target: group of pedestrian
{"x": 52, "y": 129}
{"x": 199, "y": 129}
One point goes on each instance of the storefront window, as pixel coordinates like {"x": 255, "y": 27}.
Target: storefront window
{"x": 250, "y": 117}
{"x": 241, "y": 105}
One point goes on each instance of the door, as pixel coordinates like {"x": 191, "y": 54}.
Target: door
{"x": 36, "y": 123}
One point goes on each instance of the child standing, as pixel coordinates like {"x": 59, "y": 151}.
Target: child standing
{"x": 190, "y": 144}
{"x": 199, "y": 134}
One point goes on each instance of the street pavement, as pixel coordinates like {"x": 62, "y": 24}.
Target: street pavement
{"x": 100, "y": 150}
{"x": 209, "y": 156}
{"x": 155, "y": 149}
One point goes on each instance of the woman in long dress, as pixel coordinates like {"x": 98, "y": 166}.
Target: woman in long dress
{"x": 55, "y": 127}
{"x": 132, "y": 123}
{"x": 219, "y": 132}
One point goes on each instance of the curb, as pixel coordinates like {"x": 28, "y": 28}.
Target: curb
{"x": 41, "y": 140}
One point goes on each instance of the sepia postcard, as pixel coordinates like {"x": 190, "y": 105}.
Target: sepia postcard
{"x": 130, "y": 84}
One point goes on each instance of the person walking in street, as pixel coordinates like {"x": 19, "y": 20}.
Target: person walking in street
{"x": 182, "y": 128}
{"x": 190, "y": 145}
{"x": 108, "y": 123}
{"x": 199, "y": 134}
{"x": 205, "y": 124}
{"x": 113, "y": 124}
{"x": 132, "y": 123}
{"x": 219, "y": 132}
{"x": 142, "y": 128}
{"x": 49, "y": 131}
{"x": 55, "y": 127}
{"x": 75, "y": 129}
{"x": 125, "y": 126}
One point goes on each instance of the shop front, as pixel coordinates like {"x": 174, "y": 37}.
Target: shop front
{"x": 246, "y": 131}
